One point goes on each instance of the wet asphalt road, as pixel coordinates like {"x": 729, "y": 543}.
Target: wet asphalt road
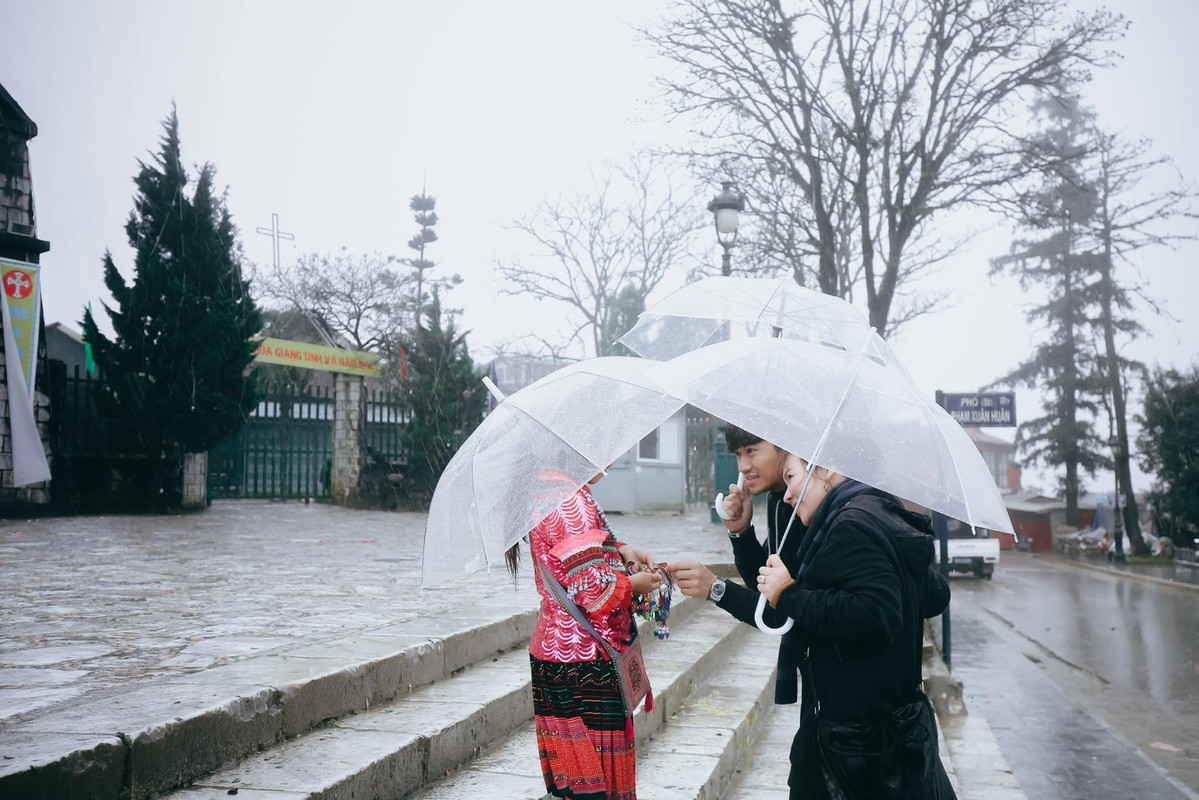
{"x": 1089, "y": 680}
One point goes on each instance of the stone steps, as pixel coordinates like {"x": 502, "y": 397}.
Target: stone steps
{"x": 763, "y": 773}
{"x": 395, "y": 749}
{"x": 135, "y": 742}
{"x": 435, "y": 708}
{"x": 713, "y": 680}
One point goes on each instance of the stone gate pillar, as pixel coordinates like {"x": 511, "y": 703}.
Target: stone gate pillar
{"x": 349, "y": 438}
{"x": 195, "y": 481}
{"x": 19, "y": 242}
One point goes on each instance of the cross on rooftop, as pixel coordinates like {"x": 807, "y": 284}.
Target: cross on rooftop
{"x": 275, "y": 235}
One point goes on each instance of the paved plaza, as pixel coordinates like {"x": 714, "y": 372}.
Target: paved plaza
{"x": 88, "y": 604}
{"x": 95, "y": 610}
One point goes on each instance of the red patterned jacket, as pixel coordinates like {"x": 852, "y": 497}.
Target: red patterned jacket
{"x": 582, "y": 555}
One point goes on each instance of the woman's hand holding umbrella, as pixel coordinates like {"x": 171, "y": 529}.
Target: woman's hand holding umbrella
{"x": 772, "y": 576}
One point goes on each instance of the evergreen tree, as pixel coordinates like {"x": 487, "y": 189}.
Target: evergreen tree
{"x": 444, "y": 397}
{"x": 175, "y": 373}
{"x": 1065, "y": 364}
{"x": 1169, "y": 445}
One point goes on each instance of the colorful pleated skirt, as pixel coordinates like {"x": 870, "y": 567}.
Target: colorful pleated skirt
{"x": 586, "y": 752}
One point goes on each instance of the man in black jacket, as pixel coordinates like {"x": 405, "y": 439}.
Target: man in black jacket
{"x": 761, "y": 463}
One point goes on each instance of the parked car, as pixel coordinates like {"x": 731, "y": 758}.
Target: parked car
{"x": 970, "y": 553}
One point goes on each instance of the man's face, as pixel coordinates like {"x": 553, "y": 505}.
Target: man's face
{"x": 762, "y": 465}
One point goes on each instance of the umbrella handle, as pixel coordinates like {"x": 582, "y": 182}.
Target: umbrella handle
{"x": 761, "y": 622}
{"x": 718, "y": 503}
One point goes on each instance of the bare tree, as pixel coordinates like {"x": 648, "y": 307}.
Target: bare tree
{"x": 1129, "y": 218}
{"x": 595, "y": 251}
{"x": 349, "y": 299}
{"x": 882, "y": 114}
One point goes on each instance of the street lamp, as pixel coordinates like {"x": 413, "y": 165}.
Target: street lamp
{"x": 726, "y": 208}
{"x": 1117, "y": 512}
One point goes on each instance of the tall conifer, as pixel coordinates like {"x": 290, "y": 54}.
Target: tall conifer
{"x": 175, "y": 373}
{"x": 1054, "y": 216}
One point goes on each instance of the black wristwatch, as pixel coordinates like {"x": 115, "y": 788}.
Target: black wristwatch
{"x": 717, "y": 590}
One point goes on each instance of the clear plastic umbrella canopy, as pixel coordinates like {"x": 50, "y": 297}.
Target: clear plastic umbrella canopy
{"x": 726, "y": 308}
{"x": 857, "y": 413}
{"x": 534, "y": 451}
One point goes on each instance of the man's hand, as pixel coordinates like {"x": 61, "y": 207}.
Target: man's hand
{"x": 694, "y": 579}
{"x": 739, "y": 507}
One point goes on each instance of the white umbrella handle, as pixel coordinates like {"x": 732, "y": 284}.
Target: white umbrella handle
{"x": 718, "y": 503}
{"x": 760, "y": 621}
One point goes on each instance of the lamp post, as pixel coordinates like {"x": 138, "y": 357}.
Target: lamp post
{"x": 726, "y": 208}
{"x": 1117, "y": 510}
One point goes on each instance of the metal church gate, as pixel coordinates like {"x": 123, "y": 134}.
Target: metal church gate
{"x": 284, "y": 451}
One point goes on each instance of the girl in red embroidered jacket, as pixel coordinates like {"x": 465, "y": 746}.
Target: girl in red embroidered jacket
{"x": 586, "y": 751}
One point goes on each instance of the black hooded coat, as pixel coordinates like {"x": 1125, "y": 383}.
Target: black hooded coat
{"x": 856, "y": 644}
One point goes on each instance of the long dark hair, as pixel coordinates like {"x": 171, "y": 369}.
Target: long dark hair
{"x": 512, "y": 560}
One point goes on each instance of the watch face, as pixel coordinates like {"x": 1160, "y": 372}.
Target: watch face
{"x": 717, "y": 590}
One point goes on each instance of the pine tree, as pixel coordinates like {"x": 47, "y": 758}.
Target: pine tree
{"x": 175, "y": 373}
{"x": 444, "y": 397}
{"x": 425, "y": 214}
{"x": 1169, "y": 445}
{"x": 1065, "y": 364}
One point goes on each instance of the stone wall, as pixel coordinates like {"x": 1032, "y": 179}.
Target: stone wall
{"x": 38, "y": 493}
{"x": 16, "y": 188}
{"x": 18, "y": 241}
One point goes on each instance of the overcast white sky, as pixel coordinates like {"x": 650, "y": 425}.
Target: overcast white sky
{"x": 333, "y": 115}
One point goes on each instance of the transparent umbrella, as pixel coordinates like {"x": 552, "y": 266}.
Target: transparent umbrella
{"x": 726, "y": 308}
{"x": 532, "y": 452}
{"x": 857, "y": 413}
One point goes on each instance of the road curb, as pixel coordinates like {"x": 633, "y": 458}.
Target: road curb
{"x": 1121, "y": 573}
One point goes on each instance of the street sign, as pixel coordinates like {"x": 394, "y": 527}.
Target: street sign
{"x": 994, "y": 410}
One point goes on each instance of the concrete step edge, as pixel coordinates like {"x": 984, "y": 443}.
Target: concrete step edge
{"x": 699, "y": 750}
{"x": 395, "y": 750}
{"x": 239, "y": 709}
{"x": 727, "y": 703}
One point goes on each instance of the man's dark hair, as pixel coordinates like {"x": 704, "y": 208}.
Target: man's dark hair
{"x": 735, "y": 438}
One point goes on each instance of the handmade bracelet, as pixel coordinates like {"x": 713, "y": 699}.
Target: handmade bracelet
{"x": 649, "y": 606}
{"x": 774, "y": 598}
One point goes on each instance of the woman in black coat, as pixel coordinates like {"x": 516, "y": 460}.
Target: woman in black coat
{"x": 864, "y": 586}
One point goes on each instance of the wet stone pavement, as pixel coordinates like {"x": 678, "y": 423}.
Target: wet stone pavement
{"x": 93, "y": 607}
{"x": 92, "y": 603}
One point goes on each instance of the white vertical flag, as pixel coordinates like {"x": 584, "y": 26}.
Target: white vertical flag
{"x": 28, "y": 456}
